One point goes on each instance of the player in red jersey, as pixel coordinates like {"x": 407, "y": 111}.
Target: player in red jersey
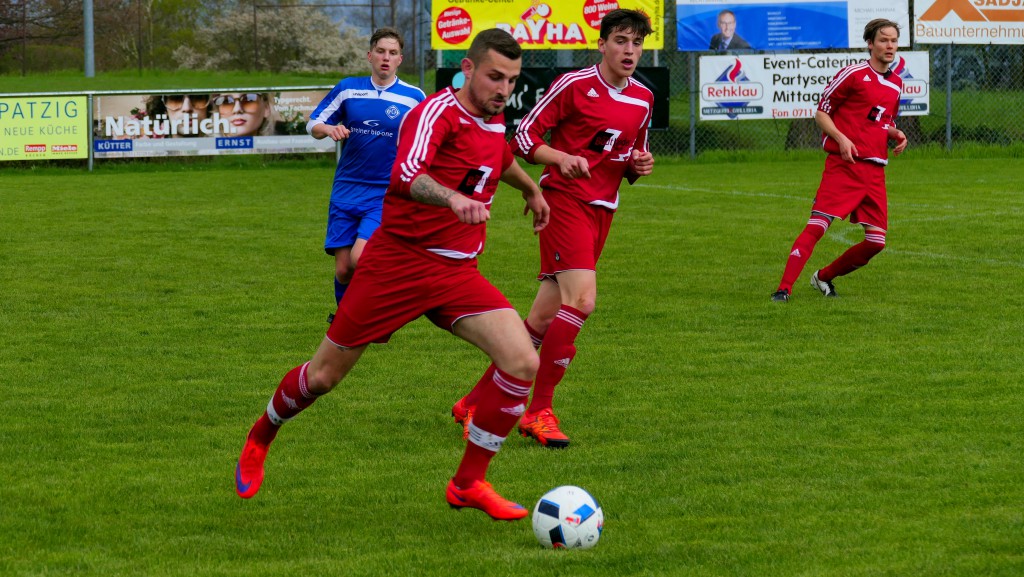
{"x": 598, "y": 119}
{"x": 857, "y": 113}
{"x": 422, "y": 261}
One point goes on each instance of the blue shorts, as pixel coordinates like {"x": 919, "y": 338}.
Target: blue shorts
{"x": 346, "y": 223}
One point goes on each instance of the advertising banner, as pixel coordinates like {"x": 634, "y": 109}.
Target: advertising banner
{"x": 731, "y": 25}
{"x": 533, "y": 82}
{"x": 44, "y": 128}
{"x": 790, "y": 85}
{"x": 536, "y": 24}
{"x": 969, "y": 21}
{"x": 205, "y": 123}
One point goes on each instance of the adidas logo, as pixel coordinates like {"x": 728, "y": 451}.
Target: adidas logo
{"x": 289, "y": 401}
{"x": 796, "y": 253}
{"x": 564, "y": 363}
{"x": 516, "y": 411}
{"x": 592, "y": 93}
{"x": 867, "y": 78}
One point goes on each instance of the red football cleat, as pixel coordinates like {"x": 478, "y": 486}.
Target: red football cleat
{"x": 482, "y": 496}
{"x": 543, "y": 426}
{"x": 463, "y": 414}
{"x": 249, "y": 471}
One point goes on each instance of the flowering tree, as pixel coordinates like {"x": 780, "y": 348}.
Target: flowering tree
{"x": 287, "y": 39}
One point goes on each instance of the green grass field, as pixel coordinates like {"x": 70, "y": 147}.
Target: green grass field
{"x": 148, "y": 315}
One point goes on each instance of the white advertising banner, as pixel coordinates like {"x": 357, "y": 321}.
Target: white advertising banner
{"x": 748, "y": 87}
{"x": 246, "y": 121}
{"x": 969, "y": 21}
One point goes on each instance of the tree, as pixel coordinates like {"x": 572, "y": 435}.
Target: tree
{"x": 292, "y": 38}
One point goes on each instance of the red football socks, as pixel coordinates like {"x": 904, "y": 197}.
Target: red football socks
{"x": 290, "y": 398}
{"x": 501, "y": 403}
{"x": 558, "y": 351}
{"x": 802, "y": 249}
{"x": 855, "y": 257}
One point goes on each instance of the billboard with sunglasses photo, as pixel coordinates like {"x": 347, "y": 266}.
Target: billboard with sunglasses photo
{"x": 229, "y": 121}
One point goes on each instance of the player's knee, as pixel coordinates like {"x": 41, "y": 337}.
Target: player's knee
{"x": 323, "y": 379}
{"x": 344, "y": 273}
{"x": 875, "y": 240}
{"x": 585, "y": 304}
{"x": 523, "y": 365}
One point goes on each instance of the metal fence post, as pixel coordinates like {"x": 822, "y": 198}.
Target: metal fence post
{"x": 693, "y": 106}
{"x": 949, "y": 97}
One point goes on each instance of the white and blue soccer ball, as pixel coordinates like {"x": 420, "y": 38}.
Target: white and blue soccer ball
{"x": 568, "y": 517}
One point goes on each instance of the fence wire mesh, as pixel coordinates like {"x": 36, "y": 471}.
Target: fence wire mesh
{"x": 975, "y": 91}
{"x": 974, "y": 95}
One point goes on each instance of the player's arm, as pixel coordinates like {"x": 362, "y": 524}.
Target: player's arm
{"x": 568, "y": 165}
{"x": 847, "y": 150}
{"x": 335, "y": 131}
{"x": 528, "y": 142}
{"x": 641, "y": 161}
{"x": 326, "y": 119}
{"x": 428, "y": 191}
{"x": 516, "y": 177}
{"x": 900, "y": 138}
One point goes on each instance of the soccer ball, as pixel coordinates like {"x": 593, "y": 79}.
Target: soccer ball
{"x": 568, "y": 517}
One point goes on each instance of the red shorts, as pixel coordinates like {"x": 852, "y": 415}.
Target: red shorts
{"x": 396, "y": 283}
{"x": 574, "y": 237}
{"x": 854, "y": 190}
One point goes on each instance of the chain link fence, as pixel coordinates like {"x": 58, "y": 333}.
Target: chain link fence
{"x": 975, "y": 91}
{"x": 975, "y": 94}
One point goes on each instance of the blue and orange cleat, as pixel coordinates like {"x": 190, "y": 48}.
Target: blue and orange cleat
{"x": 463, "y": 414}
{"x": 249, "y": 471}
{"x": 543, "y": 426}
{"x": 482, "y": 496}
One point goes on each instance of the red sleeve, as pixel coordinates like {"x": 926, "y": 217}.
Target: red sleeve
{"x": 642, "y": 142}
{"x": 835, "y": 93}
{"x": 419, "y": 137}
{"x": 546, "y": 114}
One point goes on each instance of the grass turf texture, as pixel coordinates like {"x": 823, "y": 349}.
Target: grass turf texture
{"x": 147, "y": 317}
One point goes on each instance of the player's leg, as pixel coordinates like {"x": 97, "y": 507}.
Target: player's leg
{"x": 872, "y": 213}
{"x": 365, "y": 222}
{"x": 342, "y": 232}
{"x": 545, "y": 307}
{"x": 570, "y": 247}
{"x": 855, "y": 257}
{"x": 801, "y": 252}
{"x": 343, "y": 269}
{"x": 299, "y": 388}
{"x": 577, "y": 296}
{"x": 501, "y": 335}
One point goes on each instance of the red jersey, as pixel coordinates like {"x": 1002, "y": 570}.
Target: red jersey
{"x": 590, "y": 118}
{"x": 863, "y": 104}
{"x": 463, "y": 152}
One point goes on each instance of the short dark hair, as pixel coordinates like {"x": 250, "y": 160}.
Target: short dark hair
{"x": 635, "y": 21}
{"x": 494, "y": 39}
{"x": 871, "y": 28}
{"x": 386, "y": 32}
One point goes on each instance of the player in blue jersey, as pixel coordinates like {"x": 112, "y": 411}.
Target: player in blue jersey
{"x": 365, "y": 112}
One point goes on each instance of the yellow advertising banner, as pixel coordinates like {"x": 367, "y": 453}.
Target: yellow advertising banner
{"x": 536, "y": 24}
{"x": 44, "y": 127}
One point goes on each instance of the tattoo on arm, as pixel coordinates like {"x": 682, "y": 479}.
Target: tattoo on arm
{"x": 428, "y": 191}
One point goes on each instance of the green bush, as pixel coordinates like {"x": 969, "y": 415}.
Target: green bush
{"x": 42, "y": 58}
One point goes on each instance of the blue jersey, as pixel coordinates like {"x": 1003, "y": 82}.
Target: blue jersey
{"x": 372, "y": 115}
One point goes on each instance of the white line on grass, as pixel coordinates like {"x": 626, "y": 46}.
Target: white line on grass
{"x": 840, "y": 235}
